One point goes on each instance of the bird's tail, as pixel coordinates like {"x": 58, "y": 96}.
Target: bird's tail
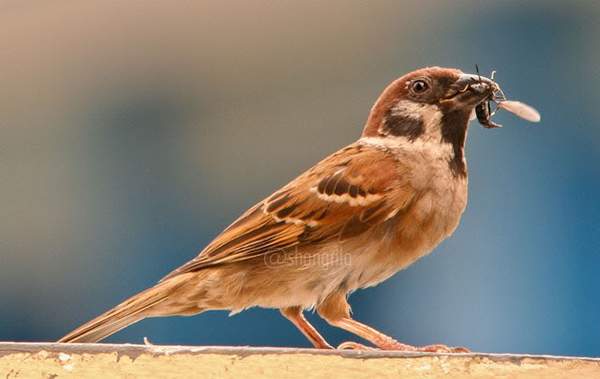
{"x": 144, "y": 304}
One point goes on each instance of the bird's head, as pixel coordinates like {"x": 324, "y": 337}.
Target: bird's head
{"x": 432, "y": 105}
{"x": 418, "y": 103}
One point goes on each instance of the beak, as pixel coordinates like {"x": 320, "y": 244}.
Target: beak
{"x": 470, "y": 90}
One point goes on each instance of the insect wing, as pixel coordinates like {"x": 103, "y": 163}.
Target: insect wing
{"x": 520, "y": 109}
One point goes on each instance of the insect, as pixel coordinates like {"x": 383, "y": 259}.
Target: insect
{"x": 484, "y": 112}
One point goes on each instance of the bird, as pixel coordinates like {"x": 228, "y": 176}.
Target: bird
{"x": 351, "y": 221}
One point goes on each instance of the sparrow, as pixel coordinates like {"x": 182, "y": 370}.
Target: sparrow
{"x": 351, "y": 221}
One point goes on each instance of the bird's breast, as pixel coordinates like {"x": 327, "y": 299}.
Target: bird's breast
{"x": 433, "y": 215}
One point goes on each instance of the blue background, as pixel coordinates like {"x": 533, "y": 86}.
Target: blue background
{"x": 131, "y": 133}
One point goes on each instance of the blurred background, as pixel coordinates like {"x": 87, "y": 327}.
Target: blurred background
{"x": 132, "y": 132}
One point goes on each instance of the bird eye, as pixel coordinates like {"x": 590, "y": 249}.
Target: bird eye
{"x": 419, "y": 86}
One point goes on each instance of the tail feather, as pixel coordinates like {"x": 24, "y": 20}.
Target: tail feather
{"x": 128, "y": 312}
{"x": 96, "y": 331}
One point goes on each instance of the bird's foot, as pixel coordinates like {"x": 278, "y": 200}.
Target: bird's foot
{"x": 350, "y": 345}
{"x": 438, "y": 348}
{"x": 398, "y": 346}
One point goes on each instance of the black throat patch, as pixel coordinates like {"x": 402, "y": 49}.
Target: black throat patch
{"x": 400, "y": 125}
{"x": 454, "y": 131}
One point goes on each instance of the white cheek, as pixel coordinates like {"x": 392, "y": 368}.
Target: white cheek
{"x": 408, "y": 109}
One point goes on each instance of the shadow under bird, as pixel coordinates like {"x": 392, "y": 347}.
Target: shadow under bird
{"x": 349, "y": 222}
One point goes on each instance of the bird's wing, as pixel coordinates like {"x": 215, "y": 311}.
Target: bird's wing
{"x": 343, "y": 196}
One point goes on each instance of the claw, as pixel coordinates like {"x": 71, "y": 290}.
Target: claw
{"x": 350, "y": 345}
{"x": 460, "y": 349}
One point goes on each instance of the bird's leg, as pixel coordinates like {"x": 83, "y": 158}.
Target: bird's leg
{"x": 336, "y": 311}
{"x": 294, "y": 314}
{"x": 383, "y": 341}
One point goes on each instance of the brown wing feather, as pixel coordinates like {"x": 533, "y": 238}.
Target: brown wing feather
{"x": 342, "y": 196}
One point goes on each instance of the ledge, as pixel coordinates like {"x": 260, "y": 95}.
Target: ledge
{"x": 51, "y": 360}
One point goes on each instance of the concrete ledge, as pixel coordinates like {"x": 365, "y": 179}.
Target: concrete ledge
{"x": 51, "y": 360}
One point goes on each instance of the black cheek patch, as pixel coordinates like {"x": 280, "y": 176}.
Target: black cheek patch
{"x": 402, "y": 126}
